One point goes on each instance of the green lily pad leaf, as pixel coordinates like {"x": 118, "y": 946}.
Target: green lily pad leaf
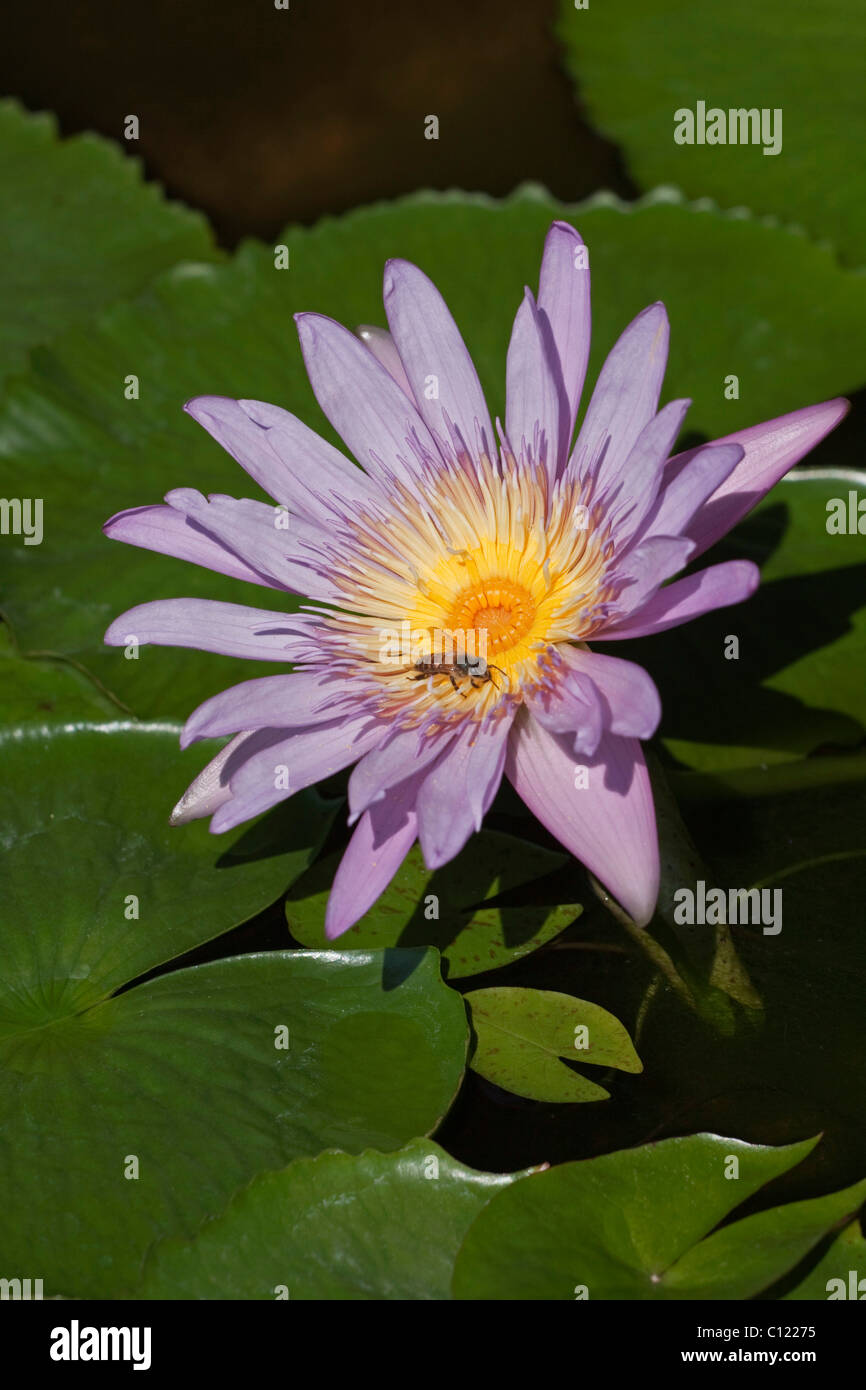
{"x": 227, "y": 330}
{"x": 520, "y": 1035}
{"x": 45, "y": 691}
{"x": 80, "y": 230}
{"x": 740, "y": 1260}
{"x": 376, "y": 1226}
{"x": 138, "y": 1117}
{"x": 841, "y": 1273}
{"x": 462, "y": 909}
{"x": 638, "y": 65}
{"x": 98, "y": 888}
{"x": 637, "y": 1225}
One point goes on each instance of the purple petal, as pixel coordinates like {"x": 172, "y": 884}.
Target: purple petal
{"x": 435, "y": 357}
{"x": 382, "y": 839}
{"x": 609, "y": 824}
{"x": 166, "y": 531}
{"x": 269, "y": 702}
{"x": 535, "y": 395}
{"x": 683, "y": 494}
{"x": 569, "y": 704}
{"x": 207, "y": 792}
{"x": 285, "y": 548}
{"x": 228, "y": 628}
{"x": 292, "y": 463}
{"x": 458, "y": 792}
{"x": 647, "y": 566}
{"x": 363, "y": 402}
{"x": 564, "y": 300}
{"x": 626, "y": 396}
{"x": 388, "y": 764}
{"x": 631, "y": 705}
{"x": 770, "y": 450}
{"x": 715, "y": 587}
{"x": 281, "y": 765}
{"x": 383, "y": 348}
{"x": 630, "y": 491}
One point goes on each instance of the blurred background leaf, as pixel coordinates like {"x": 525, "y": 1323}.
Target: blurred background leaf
{"x": 80, "y": 229}
{"x": 636, "y": 64}
{"x": 271, "y": 116}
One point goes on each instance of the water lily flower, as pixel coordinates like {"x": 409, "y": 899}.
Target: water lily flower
{"x": 537, "y": 546}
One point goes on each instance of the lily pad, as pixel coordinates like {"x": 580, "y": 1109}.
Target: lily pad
{"x": 637, "y": 65}
{"x": 463, "y": 909}
{"x": 641, "y": 1224}
{"x": 98, "y": 887}
{"x": 46, "y": 692}
{"x": 376, "y": 1226}
{"x": 227, "y": 329}
{"x": 138, "y": 1117}
{"x": 521, "y": 1034}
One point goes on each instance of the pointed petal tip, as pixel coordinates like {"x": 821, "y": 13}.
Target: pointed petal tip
{"x": 394, "y": 265}
{"x": 562, "y": 226}
{"x": 434, "y": 858}
{"x": 637, "y": 899}
{"x": 400, "y": 263}
{"x": 207, "y": 408}
{"x": 116, "y": 633}
{"x": 825, "y": 415}
{"x": 837, "y": 407}
{"x": 224, "y": 819}
{"x": 337, "y": 923}
{"x": 306, "y": 321}
{"x": 646, "y": 914}
{"x": 751, "y": 576}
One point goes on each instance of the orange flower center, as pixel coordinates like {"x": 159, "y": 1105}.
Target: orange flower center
{"x": 500, "y": 607}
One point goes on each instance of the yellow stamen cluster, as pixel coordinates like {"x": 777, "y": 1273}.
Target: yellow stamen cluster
{"x": 500, "y": 558}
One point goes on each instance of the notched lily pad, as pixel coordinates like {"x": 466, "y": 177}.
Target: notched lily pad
{"x": 644, "y": 1224}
